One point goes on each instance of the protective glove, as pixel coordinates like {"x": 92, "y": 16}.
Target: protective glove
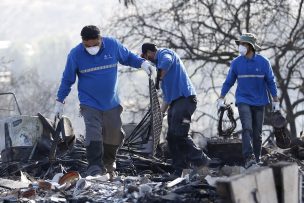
{"x": 275, "y": 106}
{"x": 147, "y": 67}
{"x": 220, "y": 102}
{"x": 163, "y": 109}
{"x": 58, "y": 109}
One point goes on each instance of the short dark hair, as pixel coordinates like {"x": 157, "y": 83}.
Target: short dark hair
{"x": 148, "y": 47}
{"x": 90, "y": 32}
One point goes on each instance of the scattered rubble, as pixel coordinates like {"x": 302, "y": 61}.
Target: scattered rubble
{"x": 45, "y": 169}
{"x": 138, "y": 180}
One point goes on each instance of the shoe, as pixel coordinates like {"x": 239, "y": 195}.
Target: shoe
{"x": 253, "y": 166}
{"x": 100, "y": 177}
{"x": 250, "y": 161}
{"x": 260, "y": 163}
{"x": 200, "y": 167}
{"x": 112, "y": 175}
{"x": 94, "y": 158}
{"x": 203, "y": 161}
{"x": 200, "y": 171}
{"x": 109, "y": 156}
{"x": 95, "y": 170}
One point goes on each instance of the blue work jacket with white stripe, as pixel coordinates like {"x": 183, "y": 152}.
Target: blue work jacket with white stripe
{"x": 97, "y": 74}
{"x": 254, "y": 78}
{"x": 176, "y": 82}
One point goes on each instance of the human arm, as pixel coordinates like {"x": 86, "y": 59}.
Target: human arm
{"x": 68, "y": 79}
{"x": 164, "y": 107}
{"x": 127, "y": 58}
{"x": 271, "y": 85}
{"x": 270, "y": 82}
{"x": 229, "y": 82}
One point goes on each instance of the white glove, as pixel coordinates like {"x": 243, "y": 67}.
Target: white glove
{"x": 220, "y": 102}
{"x": 147, "y": 67}
{"x": 58, "y": 109}
{"x": 276, "y": 106}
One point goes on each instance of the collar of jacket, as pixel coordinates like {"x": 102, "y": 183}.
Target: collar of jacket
{"x": 253, "y": 58}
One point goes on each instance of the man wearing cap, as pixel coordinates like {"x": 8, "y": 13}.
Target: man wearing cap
{"x": 255, "y": 79}
{"x": 179, "y": 97}
{"x": 94, "y": 61}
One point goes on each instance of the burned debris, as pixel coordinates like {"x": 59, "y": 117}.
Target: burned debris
{"x": 48, "y": 164}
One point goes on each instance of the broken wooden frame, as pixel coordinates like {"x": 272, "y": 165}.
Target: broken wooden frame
{"x": 279, "y": 183}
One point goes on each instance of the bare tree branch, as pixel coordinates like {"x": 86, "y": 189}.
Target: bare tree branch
{"x": 203, "y": 33}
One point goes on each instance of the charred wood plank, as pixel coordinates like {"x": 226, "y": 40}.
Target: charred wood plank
{"x": 287, "y": 182}
{"x": 255, "y": 186}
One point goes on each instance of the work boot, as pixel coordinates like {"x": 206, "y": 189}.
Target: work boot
{"x": 95, "y": 170}
{"x": 250, "y": 161}
{"x": 112, "y": 175}
{"x": 203, "y": 161}
{"x": 201, "y": 166}
{"x": 199, "y": 171}
{"x": 109, "y": 157}
{"x": 94, "y": 153}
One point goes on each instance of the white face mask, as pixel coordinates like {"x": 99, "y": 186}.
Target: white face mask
{"x": 93, "y": 50}
{"x": 242, "y": 50}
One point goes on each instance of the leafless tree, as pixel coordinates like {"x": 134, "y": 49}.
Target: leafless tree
{"x": 128, "y": 2}
{"x": 203, "y": 33}
{"x": 33, "y": 94}
{"x": 4, "y": 62}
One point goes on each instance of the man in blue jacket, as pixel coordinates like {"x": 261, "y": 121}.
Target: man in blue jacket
{"x": 179, "y": 97}
{"x": 94, "y": 62}
{"x": 255, "y": 79}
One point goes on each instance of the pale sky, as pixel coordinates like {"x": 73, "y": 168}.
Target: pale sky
{"x": 28, "y": 19}
{"x": 40, "y": 33}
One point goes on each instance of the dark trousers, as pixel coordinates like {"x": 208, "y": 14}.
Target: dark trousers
{"x": 252, "y": 118}
{"x": 181, "y": 145}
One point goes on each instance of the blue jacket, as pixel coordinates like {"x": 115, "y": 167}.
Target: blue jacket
{"x": 176, "y": 82}
{"x": 97, "y": 74}
{"x": 254, "y": 77}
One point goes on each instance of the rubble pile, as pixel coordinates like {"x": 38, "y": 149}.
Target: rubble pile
{"x": 140, "y": 179}
{"x": 122, "y": 189}
{"x": 59, "y": 175}
{"x": 274, "y": 155}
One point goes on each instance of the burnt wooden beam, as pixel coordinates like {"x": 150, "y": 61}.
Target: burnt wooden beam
{"x": 252, "y": 187}
{"x": 288, "y": 186}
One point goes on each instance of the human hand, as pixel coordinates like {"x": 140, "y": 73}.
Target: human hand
{"x": 58, "y": 110}
{"x": 275, "y": 106}
{"x": 147, "y": 67}
{"x": 220, "y": 102}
